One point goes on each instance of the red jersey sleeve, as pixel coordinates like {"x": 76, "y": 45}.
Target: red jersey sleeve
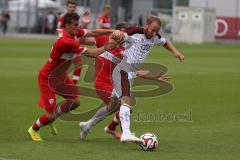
{"x": 81, "y": 32}
{"x": 69, "y": 46}
{"x": 75, "y": 47}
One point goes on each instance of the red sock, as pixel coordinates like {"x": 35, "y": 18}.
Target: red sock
{"x": 41, "y": 122}
{"x": 64, "y": 107}
{"x": 115, "y": 122}
{"x": 76, "y": 75}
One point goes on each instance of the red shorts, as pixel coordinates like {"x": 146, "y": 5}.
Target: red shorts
{"x": 50, "y": 87}
{"x": 104, "y": 90}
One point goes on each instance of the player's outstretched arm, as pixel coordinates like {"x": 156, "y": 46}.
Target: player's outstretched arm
{"x": 97, "y": 51}
{"x": 169, "y": 46}
{"x": 94, "y": 52}
{"x": 152, "y": 76}
{"x": 99, "y": 32}
{"x": 114, "y": 38}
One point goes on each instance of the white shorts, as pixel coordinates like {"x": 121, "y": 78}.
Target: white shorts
{"x": 122, "y": 77}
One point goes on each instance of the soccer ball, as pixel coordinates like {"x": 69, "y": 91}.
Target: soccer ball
{"x": 150, "y": 142}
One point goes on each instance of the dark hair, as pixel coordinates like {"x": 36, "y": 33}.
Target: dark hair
{"x": 74, "y": 2}
{"x": 152, "y": 19}
{"x": 122, "y": 25}
{"x": 69, "y": 18}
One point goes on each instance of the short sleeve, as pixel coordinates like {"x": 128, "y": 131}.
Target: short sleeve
{"x": 82, "y": 50}
{"x": 81, "y": 32}
{"x": 159, "y": 40}
{"x": 76, "y": 48}
{"x": 72, "y": 46}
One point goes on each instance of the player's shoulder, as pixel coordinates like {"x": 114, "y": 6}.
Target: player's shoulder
{"x": 134, "y": 30}
{"x": 65, "y": 41}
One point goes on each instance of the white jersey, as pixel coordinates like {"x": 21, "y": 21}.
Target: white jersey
{"x": 134, "y": 55}
{"x": 140, "y": 46}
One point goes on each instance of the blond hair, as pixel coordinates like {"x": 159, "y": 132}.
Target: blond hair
{"x": 152, "y": 19}
{"x": 106, "y": 6}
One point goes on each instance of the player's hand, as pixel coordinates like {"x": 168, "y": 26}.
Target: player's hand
{"x": 117, "y": 35}
{"x": 86, "y": 18}
{"x": 179, "y": 56}
{"x": 111, "y": 44}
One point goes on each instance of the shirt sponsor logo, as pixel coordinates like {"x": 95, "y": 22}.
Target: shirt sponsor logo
{"x": 50, "y": 60}
{"x": 146, "y": 47}
{"x": 51, "y": 101}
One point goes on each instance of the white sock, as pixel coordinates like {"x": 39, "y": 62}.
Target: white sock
{"x": 99, "y": 116}
{"x": 124, "y": 115}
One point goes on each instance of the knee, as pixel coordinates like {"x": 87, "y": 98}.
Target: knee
{"x": 113, "y": 106}
{"x": 126, "y": 100}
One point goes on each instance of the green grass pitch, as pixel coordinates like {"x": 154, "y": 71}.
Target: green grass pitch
{"x": 206, "y": 91}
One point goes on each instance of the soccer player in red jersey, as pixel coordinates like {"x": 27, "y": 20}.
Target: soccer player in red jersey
{"x": 71, "y": 8}
{"x": 53, "y": 78}
{"x": 104, "y": 65}
{"x": 103, "y": 21}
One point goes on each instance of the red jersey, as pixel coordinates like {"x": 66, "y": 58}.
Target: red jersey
{"x": 63, "y": 50}
{"x": 104, "y": 65}
{"x": 104, "y": 22}
{"x": 52, "y": 78}
{"x": 106, "y": 62}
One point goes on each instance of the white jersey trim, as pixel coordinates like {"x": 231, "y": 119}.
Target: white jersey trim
{"x": 107, "y": 55}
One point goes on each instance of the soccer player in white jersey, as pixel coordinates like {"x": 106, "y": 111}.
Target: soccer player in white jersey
{"x": 142, "y": 40}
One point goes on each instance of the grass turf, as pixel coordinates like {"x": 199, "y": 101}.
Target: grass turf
{"x": 206, "y": 89}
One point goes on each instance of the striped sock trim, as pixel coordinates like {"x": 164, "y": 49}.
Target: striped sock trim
{"x": 75, "y": 77}
{"x": 39, "y": 124}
